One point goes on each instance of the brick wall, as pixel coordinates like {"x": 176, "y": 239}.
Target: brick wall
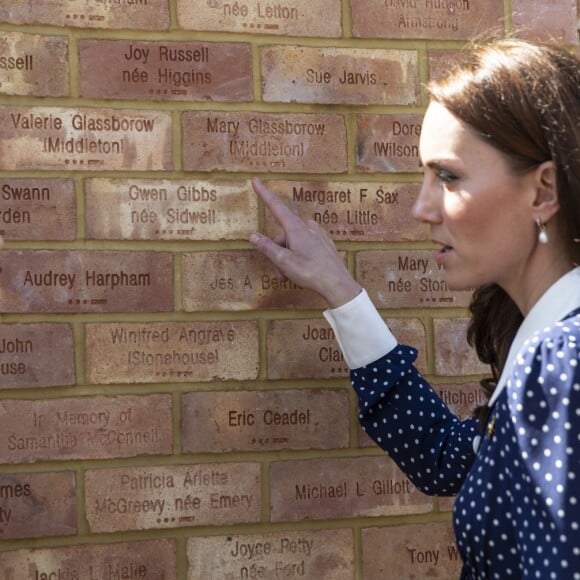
{"x": 170, "y": 408}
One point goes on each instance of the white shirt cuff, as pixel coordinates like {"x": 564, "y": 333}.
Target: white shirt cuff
{"x": 362, "y": 334}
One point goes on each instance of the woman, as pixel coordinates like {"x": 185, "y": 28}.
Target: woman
{"x": 500, "y": 148}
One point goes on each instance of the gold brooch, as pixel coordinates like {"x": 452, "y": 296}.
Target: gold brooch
{"x": 491, "y": 427}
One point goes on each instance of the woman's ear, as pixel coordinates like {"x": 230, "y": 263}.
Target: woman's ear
{"x": 546, "y": 202}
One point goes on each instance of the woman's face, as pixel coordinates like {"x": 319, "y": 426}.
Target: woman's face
{"x": 479, "y": 212}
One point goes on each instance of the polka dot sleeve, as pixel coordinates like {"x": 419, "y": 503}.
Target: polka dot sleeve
{"x": 544, "y": 406}
{"x": 405, "y": 416}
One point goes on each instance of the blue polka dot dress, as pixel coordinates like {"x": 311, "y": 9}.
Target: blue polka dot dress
{"x": 517, "y": 511}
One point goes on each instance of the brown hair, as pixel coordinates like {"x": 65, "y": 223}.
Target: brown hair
{"x": 522, "y": 98}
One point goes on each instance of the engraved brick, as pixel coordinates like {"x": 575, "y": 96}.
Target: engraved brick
{"x": 293, "y": 18}
{"x": 36, "y": 355}
{"x": 253, "y": 420}
{"x": 453, "y": 356}
{"x": 358, "y": 211}
{"x": 239, "y": 280}
{"x": 443, "y": 19}
{"x": 152, "y": 560}
{"x": 388, "y": 143}
{"x": 149, "y": 209}
{"x": 37, "y": 209}
{"x": 85, "y": 428}
{"x": 548, "y": 22}
{"x": 342, "y": 488}
{"x": 33, "y": 65}
{"x": 463, "y": 398}
{"x": 327, "y": 554}
{"x": 152, "y": 14}
{"x": 171, "y": 352}
{"x": 406, "y": 279}
{"x": 340, "y": 75}
{"x": 34, "y": 505}
{"x": 84, "y": 139}
{"x": 167, "y": 71}
{"x": 258, "y": 142}
{"x": 441, "y": 62}
{"x": 173, "y": 496}
{"x": 412, "y": 551}
{"x": 86, "y": 281}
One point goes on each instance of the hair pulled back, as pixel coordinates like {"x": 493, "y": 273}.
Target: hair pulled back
{"x": 522, "y": 98}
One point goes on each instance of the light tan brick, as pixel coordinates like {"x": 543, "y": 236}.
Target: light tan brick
{"x": 293, "y": 18}
{"x": 150, "y": 560}
{"x": 85, "y": 428}
{"x": 33, "y": 65}
{"x": 221, "y": 422}
{"x": 412, "y": 551}
{"x": 239, "y": 280}
{"x": 342, "y": 488}
{"x": 171, "y": 352}
{"x": 352, "y": 76}
{"x": 327, "y": 554}
{"x": 556, "y": 21}
{"x": 462, "y": 398}
{"x": 166, "y": 71}
{"x": 36, "y": 355}
{"x": 34, "y": 505}
{"x": 258, "y": 142}
{"x": 443, "y": 19}
{"x": 152, "y": 14}
{"x": 84, "y": 139}
{"x": 172, "y": 496}
{"x": 37, "y": 209}
{"x": 358, "y": 211}
{"x": 406, "y": 279}
{"x": 453, "y": 356}
{"x": 151, "y": 209}
{"x": 86, "y": 281}
{"x": 388, "y": 143}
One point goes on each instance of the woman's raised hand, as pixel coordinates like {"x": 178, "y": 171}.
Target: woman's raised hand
{"x": 305, "y": 253}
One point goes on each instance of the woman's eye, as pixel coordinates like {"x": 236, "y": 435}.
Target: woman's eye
{"x": 446, "y": 176}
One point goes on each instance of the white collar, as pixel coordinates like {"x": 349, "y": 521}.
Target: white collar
{"x": 560, "y": 299}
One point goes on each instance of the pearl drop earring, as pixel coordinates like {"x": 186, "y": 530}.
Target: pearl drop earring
{"x": 542, "y": 234}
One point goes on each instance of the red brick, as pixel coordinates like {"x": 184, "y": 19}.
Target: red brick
{"x": 37, "y": 209}
{"x": 166, "y": 71}
{"x": 340, "y": 75}
{"x": 366, "y": 211}
{"x": 257, "y": 142}
{"x": 84, "y": 139}
{"x": 388, "y": 143}
{"x": 453, "y": 356}
{"x": 406, "y": 279}
{"x": 172, "y": 496}
{"x": 86, "y": 281}
{"x": 556, "y": 21}
{"x": 85, "y": 428}
{"x": 239, "y": 280}
{"x": 441, "y": 62}
{"x": 222, "y": 422}
{"x": 172, "y": 352}
{"x": 327, "y": 554}
{"x": 36, "y": 355}
{"x": 342, "y": 488}
{"x": 151, "y": 209}
{"x": 33, "y": 65}
{"x": 443, "y": 19}
{"x": 293, "y": 18}
{"x": 152, "y": 560}
{"x": 34, "y": 505}
{"x": 462, "y": 398}
{"x": 152, "y": 14}
{"x": 412, "y": 551}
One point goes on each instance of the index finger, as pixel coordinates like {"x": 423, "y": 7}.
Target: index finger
{"x": 277, "y": 207}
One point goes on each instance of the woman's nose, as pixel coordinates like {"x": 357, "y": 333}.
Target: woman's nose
{"x": 427, "y": 206}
